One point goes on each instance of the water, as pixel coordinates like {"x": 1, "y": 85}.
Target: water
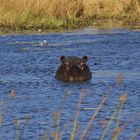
{"x": 29, "y": 68}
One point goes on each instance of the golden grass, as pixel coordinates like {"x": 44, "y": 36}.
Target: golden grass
{"x": 63, "y": 13}
{"x": 77, "y": 115}
{"x": 58, "y": 134}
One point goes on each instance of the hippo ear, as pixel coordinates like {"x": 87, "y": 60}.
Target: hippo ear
{"x": 62, "y": 58}
{"x": 85, "y": 58}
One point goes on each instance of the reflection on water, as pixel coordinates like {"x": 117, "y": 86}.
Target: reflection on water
{"x": 131, "y": 75}
{"x": 29, "y": 69}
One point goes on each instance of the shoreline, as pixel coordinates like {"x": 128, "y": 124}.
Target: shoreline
{"x": 111, "y": 24}
{"x": 46, "y": 15}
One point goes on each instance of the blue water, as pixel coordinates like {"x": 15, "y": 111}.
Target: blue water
{"x": 28, "y": 69}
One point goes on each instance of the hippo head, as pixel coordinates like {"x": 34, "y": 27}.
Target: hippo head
{"x": 73, "y": 69}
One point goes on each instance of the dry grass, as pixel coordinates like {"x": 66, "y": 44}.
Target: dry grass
{"x": 58, "y": 134}
{"x": 63, "y": 13}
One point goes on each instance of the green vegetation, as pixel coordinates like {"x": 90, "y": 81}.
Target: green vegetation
{"x": 63, "y": 14}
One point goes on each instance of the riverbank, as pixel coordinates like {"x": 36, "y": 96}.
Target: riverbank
{"x": 65, "y": 14}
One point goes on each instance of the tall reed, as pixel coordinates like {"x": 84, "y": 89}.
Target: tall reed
{"x": 63, "y": 13}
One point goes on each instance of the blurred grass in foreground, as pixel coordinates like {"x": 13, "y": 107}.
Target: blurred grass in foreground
{"x": 58, "y": 134}
{"x": 53, "y": 14}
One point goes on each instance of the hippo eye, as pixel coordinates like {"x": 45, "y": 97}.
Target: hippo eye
{"x": 81, "y": 65}
{"x": 67, "y": 65}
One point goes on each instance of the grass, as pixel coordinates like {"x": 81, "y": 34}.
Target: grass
{"x": 54, "y": 14}
{"x": 115, "y": 118}
{"x": 76, "y": 117}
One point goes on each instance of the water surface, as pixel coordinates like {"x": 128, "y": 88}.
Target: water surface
{"x": 29, "y": 69}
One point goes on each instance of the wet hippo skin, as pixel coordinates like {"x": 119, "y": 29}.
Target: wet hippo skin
{"x": 73, "y": 69}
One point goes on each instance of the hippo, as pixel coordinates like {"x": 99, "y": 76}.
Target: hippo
{"x": 73, "y": 69}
